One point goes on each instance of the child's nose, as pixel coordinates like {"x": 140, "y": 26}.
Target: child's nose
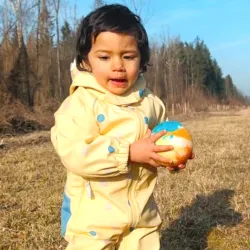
{"x": 117, "y": 64}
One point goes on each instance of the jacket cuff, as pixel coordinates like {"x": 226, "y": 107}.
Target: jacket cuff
{"x": 122, "y": 157}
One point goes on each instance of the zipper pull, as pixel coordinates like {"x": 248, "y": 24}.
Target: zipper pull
{"x": 88, "y": 190}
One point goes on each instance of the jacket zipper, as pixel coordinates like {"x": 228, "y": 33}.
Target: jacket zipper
{"x": 131, "y": 186}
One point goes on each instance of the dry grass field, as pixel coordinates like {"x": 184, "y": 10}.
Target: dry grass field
{"x": 206, "y": 206}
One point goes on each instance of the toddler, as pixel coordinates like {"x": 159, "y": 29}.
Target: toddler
{"x": 102, "y": 135}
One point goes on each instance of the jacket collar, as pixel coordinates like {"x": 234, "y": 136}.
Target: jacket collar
{"x": 88, "y": 81}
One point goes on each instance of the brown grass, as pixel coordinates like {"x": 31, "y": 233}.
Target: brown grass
{"x": 17, "y": 118}
{"x": 206, "y": 206}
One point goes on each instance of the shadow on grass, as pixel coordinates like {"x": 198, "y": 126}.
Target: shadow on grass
{"x": 191, "y": 229}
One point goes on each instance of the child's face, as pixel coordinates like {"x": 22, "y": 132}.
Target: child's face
{"x": 114, "y": 60}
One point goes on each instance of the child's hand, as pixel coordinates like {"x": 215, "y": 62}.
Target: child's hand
{"x": 145, "y": 150}
{"x": 180, "y": 167}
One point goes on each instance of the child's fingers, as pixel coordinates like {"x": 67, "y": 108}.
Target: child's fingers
{"x": 148, "y": 134}
{"x": 154, "y": 163}
{"x": 157, "y": 136}
{"x": 192, "y": 156}
{"x": 162, "y": 148}
{"x": 173, "y": 169}
{"x": 158, "y": 158}
{"x": 182, "y": 166}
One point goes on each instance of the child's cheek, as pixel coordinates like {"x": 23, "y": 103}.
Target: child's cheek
{"x": 101, "y": 71}
{"x": 101, "y": 74}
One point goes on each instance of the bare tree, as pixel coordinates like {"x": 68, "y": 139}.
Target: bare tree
{"x": 6, "y": 18}
{"x": 17, "y": 7}
{"x": 6, "y": 47}
{"x": 98, "y": 3}
{"x": 60, "y": 86}
{"x": 141, "y": 7}
{"x": 44, "y": 87}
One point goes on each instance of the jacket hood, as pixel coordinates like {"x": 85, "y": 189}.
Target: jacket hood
{"x": 88, "y": 81}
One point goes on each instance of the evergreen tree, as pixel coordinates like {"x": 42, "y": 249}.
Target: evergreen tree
{"x": 66, "y": 32}
{"x": 219, "y": 89}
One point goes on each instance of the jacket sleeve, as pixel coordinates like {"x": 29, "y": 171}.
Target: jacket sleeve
{"x": 82, "y": 150}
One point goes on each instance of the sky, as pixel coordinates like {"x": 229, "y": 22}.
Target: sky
{"x": 224, "y": 26}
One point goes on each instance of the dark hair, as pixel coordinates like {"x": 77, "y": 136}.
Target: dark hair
{"x": 114, "y": 18}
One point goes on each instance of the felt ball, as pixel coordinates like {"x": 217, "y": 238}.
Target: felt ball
{"x": 178, "y": 137}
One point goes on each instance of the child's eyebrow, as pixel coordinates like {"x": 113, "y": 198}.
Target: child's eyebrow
{"x": 110, "y": 51}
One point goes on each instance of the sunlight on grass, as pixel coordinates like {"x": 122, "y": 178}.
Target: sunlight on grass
{"x": 206, "y": 206}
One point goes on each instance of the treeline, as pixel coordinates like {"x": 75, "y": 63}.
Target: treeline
{"x": 186, "y": 74}
{"x": 35, "y": 61}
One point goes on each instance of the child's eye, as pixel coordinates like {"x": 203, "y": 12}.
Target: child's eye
{"x": 129, "y": 57}
{"x": 103, "y": 58}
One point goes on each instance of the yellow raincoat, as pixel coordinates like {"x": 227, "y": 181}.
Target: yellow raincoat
{"x": 108, "y": 201}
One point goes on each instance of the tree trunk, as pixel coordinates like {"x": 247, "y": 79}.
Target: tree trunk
{"x": 17, "y": 7}
{"x": 59, "y": 82}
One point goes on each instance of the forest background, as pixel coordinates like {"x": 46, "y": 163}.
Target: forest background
{"x": 37, "y": 46}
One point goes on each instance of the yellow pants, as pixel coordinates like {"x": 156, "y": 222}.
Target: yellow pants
{"x": 136, "y": 239}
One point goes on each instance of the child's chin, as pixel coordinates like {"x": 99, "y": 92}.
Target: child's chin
{"x": 118, "y": 91}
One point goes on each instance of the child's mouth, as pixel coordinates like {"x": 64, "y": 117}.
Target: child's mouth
{"x": 119, "y": 82}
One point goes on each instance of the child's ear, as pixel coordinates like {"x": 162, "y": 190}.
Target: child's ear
{"x": 85, "y": 65}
